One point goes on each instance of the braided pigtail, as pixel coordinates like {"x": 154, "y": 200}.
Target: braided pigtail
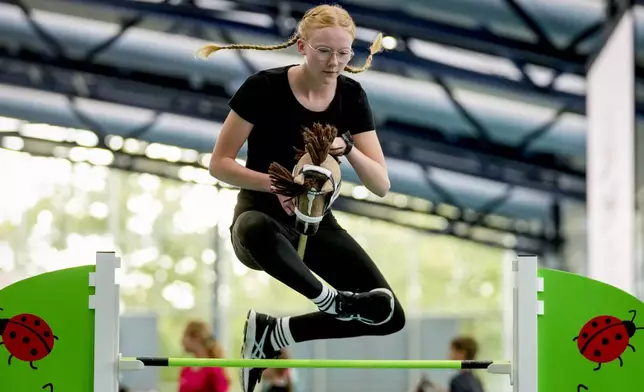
{"x": 376, "y": 47}
{"x": 209, "y": 49}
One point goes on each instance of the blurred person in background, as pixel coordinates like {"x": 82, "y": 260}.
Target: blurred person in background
{"x": 425, "y": 384}
{"x": 199, "y": 341}
{"x": 464, "y": 348}
{"x": 279, "y": 380}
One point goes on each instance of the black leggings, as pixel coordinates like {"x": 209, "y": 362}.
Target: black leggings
{"x": 263, "y": 243}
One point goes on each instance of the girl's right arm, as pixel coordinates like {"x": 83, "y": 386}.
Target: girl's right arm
{"x": 233, "y": 135}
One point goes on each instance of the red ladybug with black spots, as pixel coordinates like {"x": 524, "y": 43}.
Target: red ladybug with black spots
{"x": 604, "y": 339}
{"x": 27, "y": 337}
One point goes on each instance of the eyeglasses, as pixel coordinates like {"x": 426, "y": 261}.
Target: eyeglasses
{"x": 324, "y": 53}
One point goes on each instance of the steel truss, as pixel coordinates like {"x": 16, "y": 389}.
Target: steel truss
{"x": 80, "y": 79}
{"x": 404, "y": 28}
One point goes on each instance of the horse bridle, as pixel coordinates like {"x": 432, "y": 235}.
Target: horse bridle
{"x": 312, "y": 194}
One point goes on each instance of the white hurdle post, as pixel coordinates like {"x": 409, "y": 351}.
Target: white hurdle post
{"x": 527, "y": 308}
{"x": 105, "y": 303}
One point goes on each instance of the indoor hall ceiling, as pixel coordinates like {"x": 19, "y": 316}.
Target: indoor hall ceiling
{"x": 481, "y": 114}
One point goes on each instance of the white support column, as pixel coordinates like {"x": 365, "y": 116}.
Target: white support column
{"x": 105, "y": 303}
{"x": 525, "y": 361}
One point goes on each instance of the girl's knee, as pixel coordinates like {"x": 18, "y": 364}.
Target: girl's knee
{"x": 398, "y": 320}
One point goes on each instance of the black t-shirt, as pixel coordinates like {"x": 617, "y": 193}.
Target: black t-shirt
{"x": 266, "y": 100}
{"x": 465, "y": 382}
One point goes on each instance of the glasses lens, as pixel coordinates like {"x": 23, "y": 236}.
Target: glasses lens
{"x": 325, "y": 54}
{"x": 344, "y": 57}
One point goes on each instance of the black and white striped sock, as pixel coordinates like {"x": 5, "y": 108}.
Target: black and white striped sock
{"x": 281, "y": 336}
{"x": 326, "y": 300}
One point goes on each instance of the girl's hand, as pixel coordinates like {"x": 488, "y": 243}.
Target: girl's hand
{"x": 338, "y": 144}
{"x": 287, "y": 204}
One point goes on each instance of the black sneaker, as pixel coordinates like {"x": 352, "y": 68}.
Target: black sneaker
{"x": 374, "y": 307}
{"x": 256, "y": 345}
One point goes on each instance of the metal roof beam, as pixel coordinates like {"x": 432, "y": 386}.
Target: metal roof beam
{"x": 452, "y": 228}
{"x": 460, "y": 156}
{"x": 197, "y": 134}
{"x": 401, "y": 141}
{"x": 506, "y": 118}
{"x": 391, "y": 61}
{"x": 391, "y": 21}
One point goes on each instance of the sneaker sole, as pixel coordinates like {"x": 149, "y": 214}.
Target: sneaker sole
{"x": 250, "y": 329}
{"x": 392, "y": 304}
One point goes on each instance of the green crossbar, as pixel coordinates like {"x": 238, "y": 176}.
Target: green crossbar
{"x": 313, "y": 363}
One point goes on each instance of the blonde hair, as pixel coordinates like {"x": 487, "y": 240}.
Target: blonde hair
{"x": 199, "y": 331}
{"x": 315, "y": 18}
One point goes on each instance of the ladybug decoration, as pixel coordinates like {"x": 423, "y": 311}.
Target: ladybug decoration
{"x": 605, "y": 338}
{"x": 27, "y": 337}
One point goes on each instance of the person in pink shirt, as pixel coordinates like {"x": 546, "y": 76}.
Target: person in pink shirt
{"x": 198, "y": 340}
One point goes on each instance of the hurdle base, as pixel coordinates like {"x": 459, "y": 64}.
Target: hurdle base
{"x": 130, "y": 364}
{"x": 501, "y": 368}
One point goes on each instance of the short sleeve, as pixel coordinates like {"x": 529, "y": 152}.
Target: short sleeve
{"x": 249, "y": 100}
{"x": 362, "y": 116}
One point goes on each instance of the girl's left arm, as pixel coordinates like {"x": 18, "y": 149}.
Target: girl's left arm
{"x": 368, "y": 160}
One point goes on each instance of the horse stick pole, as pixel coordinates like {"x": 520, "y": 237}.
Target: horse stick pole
{"x": 301, "y": 247}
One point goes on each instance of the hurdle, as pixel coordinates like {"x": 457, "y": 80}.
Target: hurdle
{"x": 60, "y": 332}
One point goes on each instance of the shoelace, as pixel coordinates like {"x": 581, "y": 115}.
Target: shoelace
{"x": 346, "y": 300}
{"x": 259, "y": 353}
{"x": 351, "y": 306}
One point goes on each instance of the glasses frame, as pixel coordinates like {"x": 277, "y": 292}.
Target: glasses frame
{"x": 322, "y": 56}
